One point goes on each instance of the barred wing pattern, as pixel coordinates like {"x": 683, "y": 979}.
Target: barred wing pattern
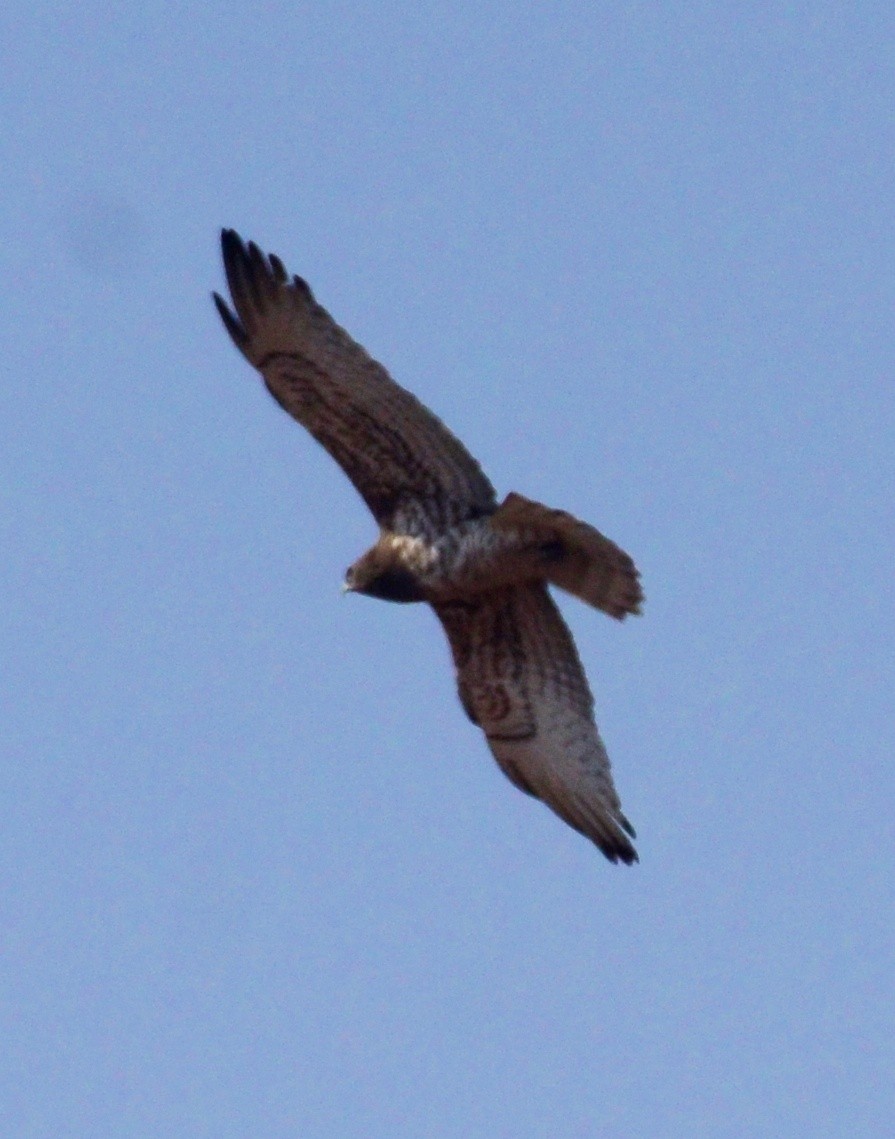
{"x": 520, "y": 679}
{"x": 415, "y": 476}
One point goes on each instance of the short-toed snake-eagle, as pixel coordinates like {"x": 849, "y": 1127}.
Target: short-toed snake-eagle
{"x": 483, "y": 566}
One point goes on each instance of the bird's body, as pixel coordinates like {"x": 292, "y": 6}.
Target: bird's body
{"x": 444, "y": 539}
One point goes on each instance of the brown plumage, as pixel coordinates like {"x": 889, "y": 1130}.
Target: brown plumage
{"x": 444, "y": 539}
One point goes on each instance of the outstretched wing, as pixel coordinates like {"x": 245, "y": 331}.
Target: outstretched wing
{"x": 520, "y": 680}
{"x": 414, "y": 475}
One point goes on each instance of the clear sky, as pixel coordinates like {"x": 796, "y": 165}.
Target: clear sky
{"x": 259, "y": 877}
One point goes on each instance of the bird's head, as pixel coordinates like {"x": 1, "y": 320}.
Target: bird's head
{"x": 377, "y": 574}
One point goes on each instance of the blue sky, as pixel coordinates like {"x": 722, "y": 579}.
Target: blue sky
{"x": 258, "y": 874}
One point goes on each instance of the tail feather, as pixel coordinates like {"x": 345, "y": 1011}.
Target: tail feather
{"x": 578, "y": 558}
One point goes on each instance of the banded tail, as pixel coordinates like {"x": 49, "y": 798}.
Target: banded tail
{"x": 580, "y": 559}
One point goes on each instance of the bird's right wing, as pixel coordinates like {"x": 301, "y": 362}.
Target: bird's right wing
{"x": 416, "y": 477}
{"x": 520, "y": 679}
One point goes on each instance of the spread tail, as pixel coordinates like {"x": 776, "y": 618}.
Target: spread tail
{"x": 578, "y": 558}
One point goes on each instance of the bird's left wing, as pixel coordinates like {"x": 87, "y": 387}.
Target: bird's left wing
{"x": 520, "y": 679}
{"x": 415, "y": 476}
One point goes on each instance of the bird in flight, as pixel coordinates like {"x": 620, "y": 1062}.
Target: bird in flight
{"x": 483, "y": 566}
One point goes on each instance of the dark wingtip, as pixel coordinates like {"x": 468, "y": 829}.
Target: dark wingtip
{"x": 618, "y": 849}
{"x": 623, "y": 852}
{"x": 232, "y": 248}
{"x": 278, "y": 268}
{"x": 248, "y": 279}
{"x": 303, "y": 289}
{"x": 249, "y": 268}
{"x": 237, "y": 332}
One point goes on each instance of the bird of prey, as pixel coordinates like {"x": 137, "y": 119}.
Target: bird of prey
{"x": 483, "y": 566}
